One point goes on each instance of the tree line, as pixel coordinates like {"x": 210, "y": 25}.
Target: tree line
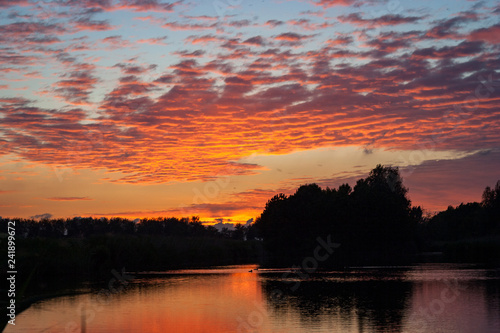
{"x": 83, "y": 227}
{"x": 375, "y": 223}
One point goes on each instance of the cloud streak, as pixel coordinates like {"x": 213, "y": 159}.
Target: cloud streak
{"x": 385, "y": 20}
{"x": 69, "y": 199}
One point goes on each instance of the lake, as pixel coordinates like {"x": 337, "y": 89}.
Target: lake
{"x": 421, "y": 298}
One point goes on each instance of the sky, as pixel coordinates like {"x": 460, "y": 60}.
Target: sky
{"x": 144, "y": 108}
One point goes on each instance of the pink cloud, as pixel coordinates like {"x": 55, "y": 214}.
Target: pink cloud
{"x": 153, "y": 41}
{"x": 340, "y": 41}
{"x": 292, "y": 37}
{"x": 204, "y": 39}
{"x": 334, "y": 3}
{"x": 116, "y": 42}
{"x": 18, "y": 29}
{"x": 147, "y": 5}
{"x": 9, "y": 3}
{"x": 490, "y": 34}
{"x": 133, "y": 5}
{"x": 311, "y": 26}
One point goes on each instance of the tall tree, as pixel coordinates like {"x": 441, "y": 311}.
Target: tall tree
{"x": 374, "y": 222}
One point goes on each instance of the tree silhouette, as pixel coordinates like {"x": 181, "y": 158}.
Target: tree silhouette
{"x": 375, "y": 222}
{"x": 491, "y": 198}
{"x": 491, "y": 203}
{"x": 382, "y": 216}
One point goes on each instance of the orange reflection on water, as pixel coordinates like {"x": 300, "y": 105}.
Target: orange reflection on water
{"x": 204, "y": 303}
{"x": 176, "y": 303}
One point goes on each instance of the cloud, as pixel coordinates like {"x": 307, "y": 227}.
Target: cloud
{"x": 133, "y": 69}
{"x": 385, "y": 20}
{"x": 202, "y": 18}
{"x": 229, "y": 223}
{"x": 464, "y": 49}
{"x": 76, "y": 86}
{"x": 30, "y": 35}
{"x": 189, "y": 26}
{"x": 204, "y": 39}
{"x": 334, "y": 3}
{"x": 131, "y": 5}
{"x": 497, "y": 9}
{"x": 43, "y": 40}
{"x": 153, "y": 41}
{"x": 211, "y": 211}
{"x": 449, "y": 28}
{"x": 490, "y": 34}
{"x": 221, "y": 96}
{"x": 15, "y": 59}
{"x": 9, "y": 3}
{"x": 5, "y": 192}
{"x": 220, "y": 124}
{"x": 188, "y": 54}
{"x": 220, "y": 225}
{"x": 45, "y": 216}
{"x": 274, "y": 23}
{"x": 340, "y": 41}
{"x": 92, "y": 25}
{"x": 292, "y": 37}
{"x": 148, "y": 5}
{"x": 238, "y": 23}
{"x": 69, "y": 199}
{"x": 101, "y": 4}
{"x": 255, "y": 41}
{"x": 308, "y": 25}
{"x": 30, "y": 28}
{"x": 386, "y": 46}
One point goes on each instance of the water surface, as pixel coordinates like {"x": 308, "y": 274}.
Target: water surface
{"x": 424, "y": 298}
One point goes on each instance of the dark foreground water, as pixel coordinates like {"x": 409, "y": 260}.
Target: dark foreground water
{"x": 425, "y": 298}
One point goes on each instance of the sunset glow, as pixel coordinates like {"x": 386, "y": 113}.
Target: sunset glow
{"x": 143, "y": 108}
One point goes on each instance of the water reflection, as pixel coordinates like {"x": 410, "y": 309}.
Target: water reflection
{"x": 446, "y": 299}
{"x": 430, "y": 298}
{"x": 357, "y": 301}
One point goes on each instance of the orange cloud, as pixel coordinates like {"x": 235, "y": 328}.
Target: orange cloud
{"x": 193, "y": 116}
